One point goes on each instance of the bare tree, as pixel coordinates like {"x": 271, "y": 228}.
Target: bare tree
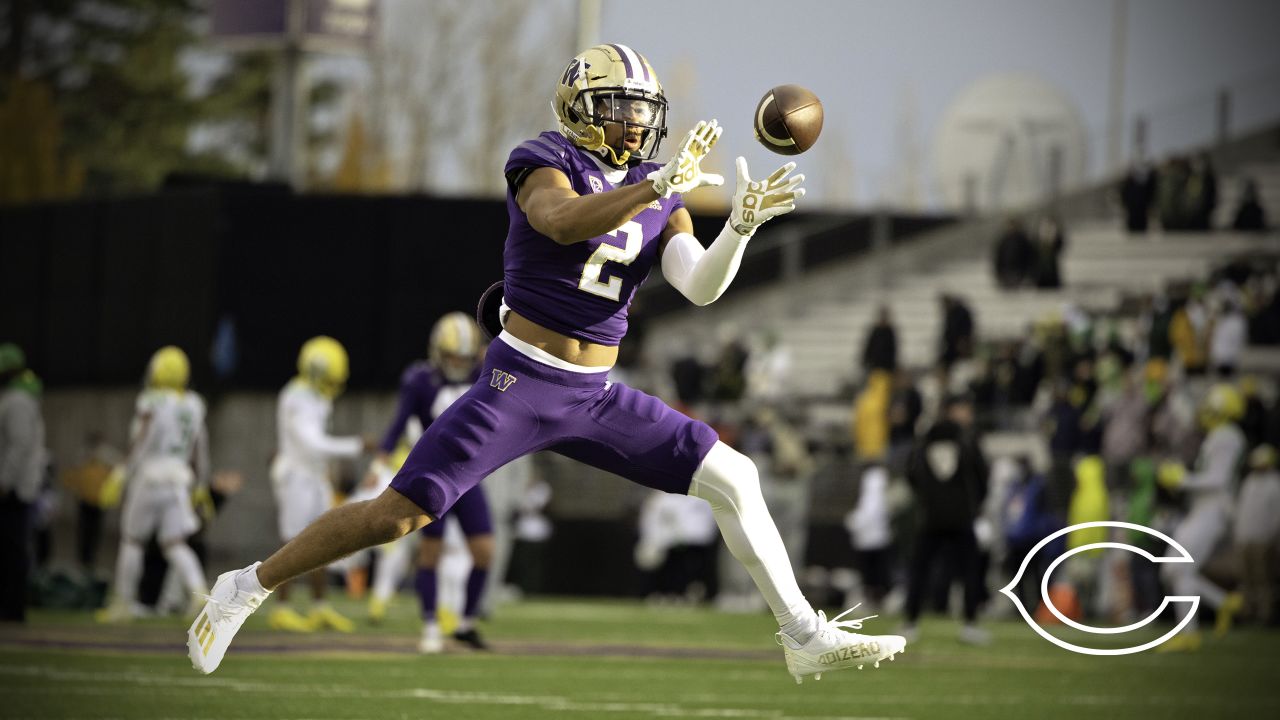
{"x": 456, "y": 85}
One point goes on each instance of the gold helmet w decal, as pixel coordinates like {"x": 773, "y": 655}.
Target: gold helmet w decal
{"x": 611, "y": 83}
{"x": 455, "y": 346}
{"x": 322, "y": 364}
{"x": 169, "y": 369}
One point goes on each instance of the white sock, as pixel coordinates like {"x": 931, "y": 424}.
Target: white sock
{"x": 392, "y": 561}
{"x": 182, "y": 559}
{"x": 247, "y": 581}
{"x": 128, "y": 572}
{"x": 729, "y": 481}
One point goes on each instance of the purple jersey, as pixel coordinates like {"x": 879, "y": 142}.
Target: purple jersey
{"x": 581, "y": 290}
{"x": 425, "y": 393}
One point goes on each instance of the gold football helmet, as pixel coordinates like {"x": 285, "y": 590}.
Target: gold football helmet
{"x": 1223, "y": 404}
{"x": 322, "y": 363}
{"x": 611, "y": 83}
{"x": 455, "y": 346}
{"x": 169, "y": 369}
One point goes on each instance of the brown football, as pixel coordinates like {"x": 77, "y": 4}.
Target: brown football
{"x": 788, "y": 119}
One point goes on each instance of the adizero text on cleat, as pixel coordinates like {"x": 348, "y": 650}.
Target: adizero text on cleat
{"x": 835, "y": 647}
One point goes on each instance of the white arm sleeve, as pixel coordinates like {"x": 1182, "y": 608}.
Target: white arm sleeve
{"x": 703, "y": 275}
{"x": 309, "y": 429}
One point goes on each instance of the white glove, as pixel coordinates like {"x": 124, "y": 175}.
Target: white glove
{"x": 683, "y": 173}
{"x": 757, "y": 201}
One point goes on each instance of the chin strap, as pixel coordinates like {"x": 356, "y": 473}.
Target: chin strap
{"x": 611, "y": 156}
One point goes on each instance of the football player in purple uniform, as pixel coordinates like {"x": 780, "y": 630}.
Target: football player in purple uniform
{"x": 590, "y": 217}
{"x": 427, "y": 389}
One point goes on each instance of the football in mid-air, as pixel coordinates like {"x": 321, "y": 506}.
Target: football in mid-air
{"x": 788, "y": 119}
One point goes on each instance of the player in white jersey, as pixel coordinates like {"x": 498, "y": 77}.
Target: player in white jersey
{"x": 168, "y": 455}
{"x": 1210, "y": 488}
{"x": 300, "y": 471}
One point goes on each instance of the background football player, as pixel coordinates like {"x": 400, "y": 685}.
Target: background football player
{"x": 1210, "y": 489}
{"x": 427, "y": 389}
{"x": 590, "y": 217}
{"x": 300, "y": 470}
{"x": 168, "y": 456}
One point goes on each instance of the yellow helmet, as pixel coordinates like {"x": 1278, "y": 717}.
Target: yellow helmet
{"x": 169, "y": 369}
{"x": 1223, "y": 404}
{"x": 455, "y": 346}
{"x": 322, "y": 364}
{"x": 611, "y": 83}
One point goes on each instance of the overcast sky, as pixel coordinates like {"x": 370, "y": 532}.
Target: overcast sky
{"x": 887, "y": 70}
{"x": 879, "y": 64}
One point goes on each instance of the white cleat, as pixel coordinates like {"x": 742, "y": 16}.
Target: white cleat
{"x": 432, "y": 642}
{"x": 224, "y": 611}
{"x": 834, "y": 647}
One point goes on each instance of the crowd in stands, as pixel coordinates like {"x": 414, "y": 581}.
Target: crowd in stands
{"x": 1114, "y": 399}
{"x": 1182, "y": 194}
{"x": 1024, "y": 259}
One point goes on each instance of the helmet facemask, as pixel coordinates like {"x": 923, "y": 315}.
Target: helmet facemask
{"x": 628, "y": 110}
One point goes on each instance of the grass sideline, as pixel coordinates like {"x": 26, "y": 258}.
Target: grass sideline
{"x": 608, "y": 659}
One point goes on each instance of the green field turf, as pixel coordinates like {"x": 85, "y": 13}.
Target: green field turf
{"x": 580, "y": 659}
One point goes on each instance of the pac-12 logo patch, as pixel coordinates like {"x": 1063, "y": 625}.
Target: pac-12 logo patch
{"x": 597, "y": 185}
{"x": 501, "y": 380}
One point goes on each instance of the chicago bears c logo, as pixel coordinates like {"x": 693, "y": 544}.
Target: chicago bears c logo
{"x": 1182, "y": 556}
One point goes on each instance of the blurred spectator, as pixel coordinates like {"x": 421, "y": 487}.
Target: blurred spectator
{"x": 1262, "y": 295}
{"x": 677, "y": 547}
{"x": 1051, "y": 240}
{"x": 1014, "y": 256}
{"x": 1124, "y": 434}
{"x": 529, "y": 555}
{"x": 948, "y": 473}
{"x": 768, "y": 367}
{"x": 956, "y": 342}
{"x": 881, "y": 349}
{"x": 1062, "y": 425}
{"x": 728, "y": 375}
{"x": 1173, "y": 431}
{"x": 1257, "y": 531}
{"x": 1089, "y": 503}
{"x": 1171, "y": 193}
{"x": 1144, "y": 575}
{"x": 22, "y": 467}
{"x": 1228, "y": 338}
{"x": 1202, "y": 192}
{"x": 905, "y": 407}
{"x": 1188, "y": 333}
{"x": 1154, "y": 317}
{"x": 871, "y": 419}
{"x": 1137, "y": 193}
{"x": 1254, "y": 421}
{"x": 868, "y": 526}
{"x": 1026, "y": 521}
{"x": 1250, "y": 216}
{"x": 690, "y": 378}
{"x": 88, "y": 481}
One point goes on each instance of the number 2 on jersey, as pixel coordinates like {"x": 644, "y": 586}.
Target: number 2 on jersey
{"x": 633, "y": 234}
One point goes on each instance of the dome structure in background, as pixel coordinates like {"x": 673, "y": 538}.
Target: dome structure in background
{"x": 1005, "y": 142}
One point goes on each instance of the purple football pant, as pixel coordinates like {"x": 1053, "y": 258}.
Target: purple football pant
{"x": 520, "y": 406}
{"x": 472, "y": 513}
